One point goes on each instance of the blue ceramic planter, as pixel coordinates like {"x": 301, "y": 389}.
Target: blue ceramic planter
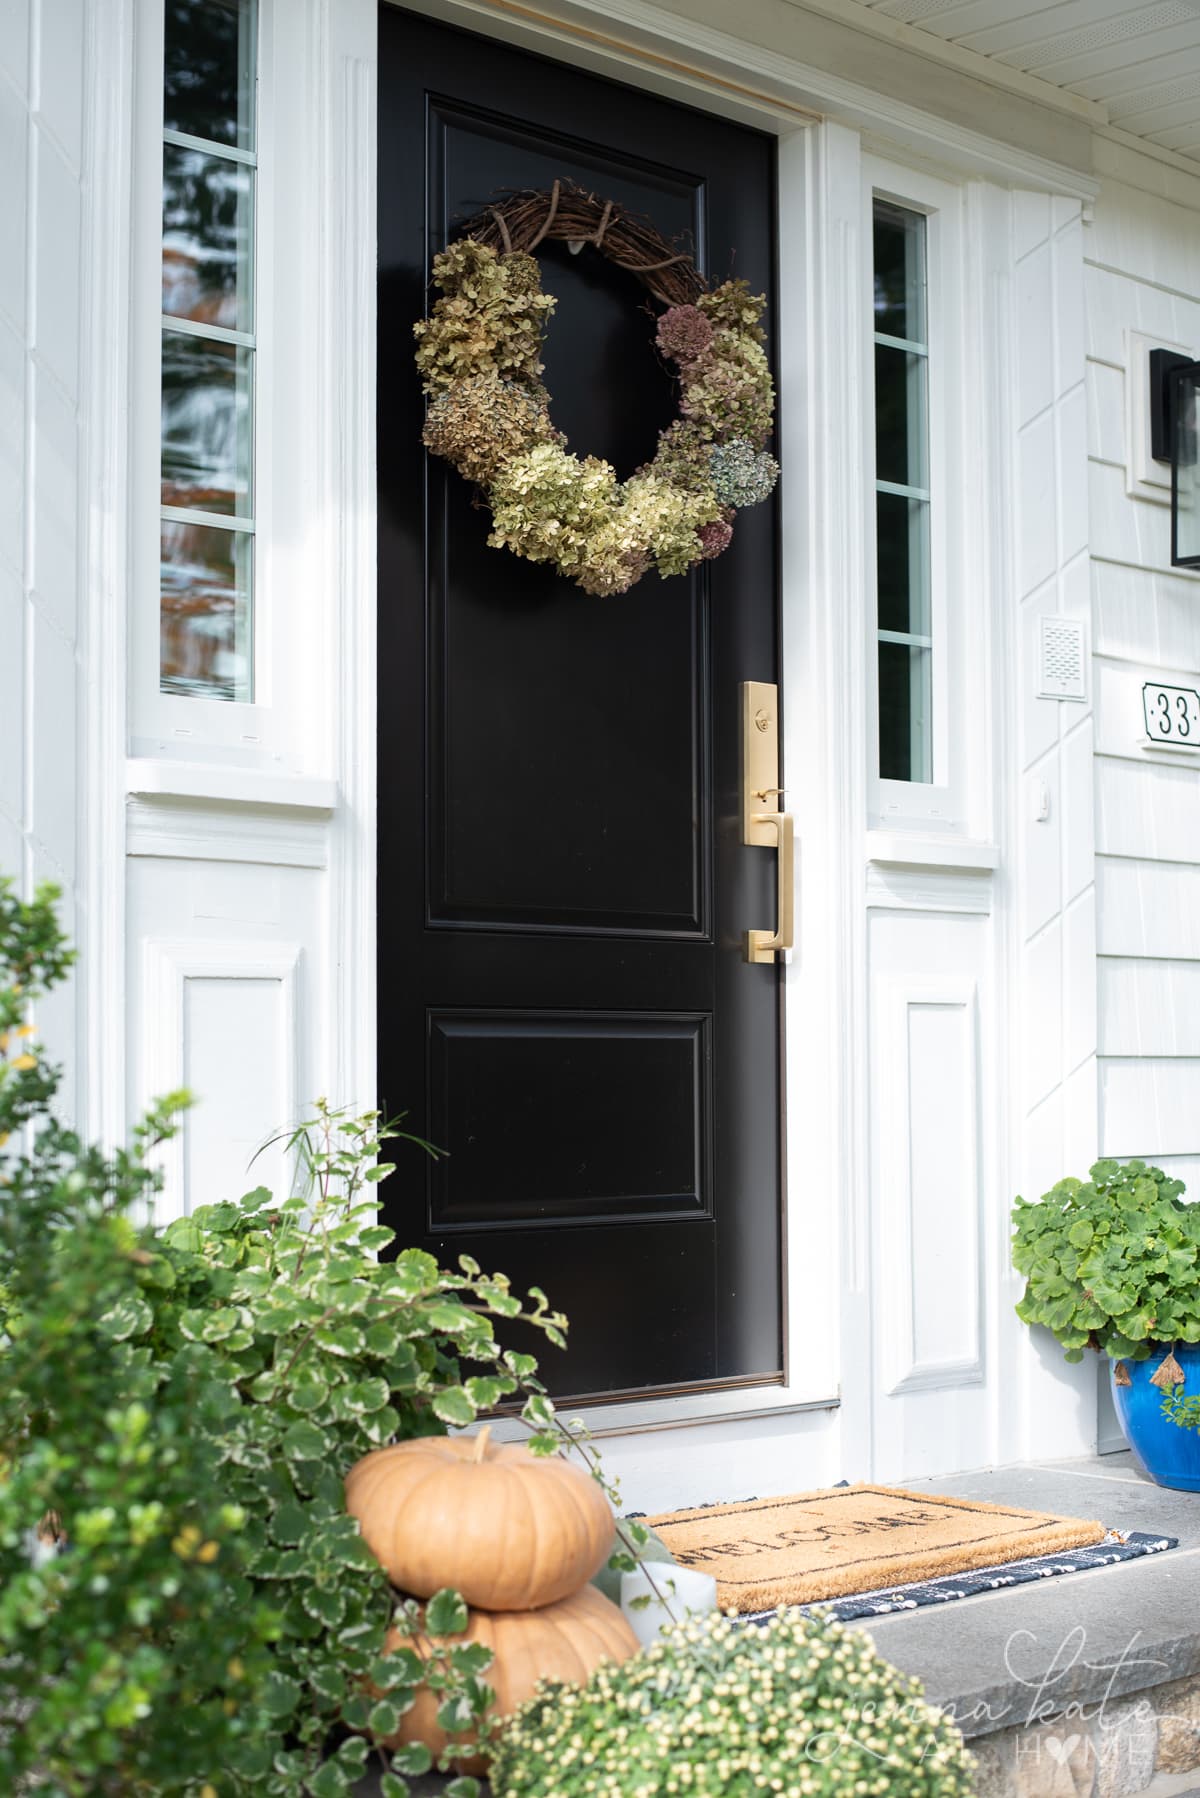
{"x": 1169, "y": 1455}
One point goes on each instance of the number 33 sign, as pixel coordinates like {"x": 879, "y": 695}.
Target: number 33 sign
{"x": 1172, "y": 715}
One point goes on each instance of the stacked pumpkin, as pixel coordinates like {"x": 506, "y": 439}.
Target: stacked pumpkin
{"x": 519, "y": 1536}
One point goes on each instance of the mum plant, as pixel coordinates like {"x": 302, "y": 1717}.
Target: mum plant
{"x": 197, "y": 1614}
{"x": 718, "y": 1709}
{"x": 1111, "y": 1263}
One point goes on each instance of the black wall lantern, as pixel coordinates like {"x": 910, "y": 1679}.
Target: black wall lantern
{"x": 1174, "y": 426}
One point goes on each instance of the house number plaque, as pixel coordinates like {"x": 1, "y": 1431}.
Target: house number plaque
{"x": 1172, "y": 715}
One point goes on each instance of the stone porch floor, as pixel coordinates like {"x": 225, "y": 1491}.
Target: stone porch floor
{"x": 1113, "y": 1653}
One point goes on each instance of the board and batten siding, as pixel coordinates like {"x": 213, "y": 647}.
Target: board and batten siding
{"x": 1143, "y": 276}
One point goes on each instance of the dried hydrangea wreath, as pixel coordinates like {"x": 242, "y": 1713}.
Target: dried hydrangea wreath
{"x": 489, "y": 415}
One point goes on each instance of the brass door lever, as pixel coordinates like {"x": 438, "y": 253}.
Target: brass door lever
{"x": 763, "y": 824}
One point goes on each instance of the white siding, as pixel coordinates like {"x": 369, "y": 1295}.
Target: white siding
{"x": 41, "y": 197}
{"x": 1143, "y": 274}
{"x": 1056, "y": 866}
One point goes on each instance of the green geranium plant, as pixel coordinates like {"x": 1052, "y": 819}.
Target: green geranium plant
{"x": 718, "y": 1708}
{"x": 185, "y": 1606}
{"x": 1111, "y": 1263}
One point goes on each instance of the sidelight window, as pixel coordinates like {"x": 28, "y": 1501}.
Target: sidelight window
{"x": 904, "y": 588}
{"x": 207, "y": 509}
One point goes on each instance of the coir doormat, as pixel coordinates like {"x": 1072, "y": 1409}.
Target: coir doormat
{"x": 813, "y": 1545}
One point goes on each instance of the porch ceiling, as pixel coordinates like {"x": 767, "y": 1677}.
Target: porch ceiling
{"x": 1139, "y": 62}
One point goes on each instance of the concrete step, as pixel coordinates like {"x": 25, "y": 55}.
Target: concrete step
{"x": 1086, "y": 1685}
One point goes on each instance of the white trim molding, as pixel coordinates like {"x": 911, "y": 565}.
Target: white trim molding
{"x": 191, "y": 830}
{"x": 168, "y": 965}
{"x": 108, "y": 104}
{"x": 899, "y": 1203}
{"x": 760, "y": 81}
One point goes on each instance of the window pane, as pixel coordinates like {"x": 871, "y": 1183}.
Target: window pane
{"x": 205, "y": 424}
{"x": 205, "y": 616}
{"x": 905, "y": 705}
{"x": 207, "y": 239}
{"x": 899, "y": 272}
{"x": 210, "y": 70}
{"x": 902, "y": 550}
{"x": 900, "y": 427}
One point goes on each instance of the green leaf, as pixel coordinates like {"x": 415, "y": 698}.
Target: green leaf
{"x": 446, "y": 1614}
{"x": 400, "y": 1666}
{"x": 392, "y": 1787}
{"x": 462, "y": 1787}
{"x": 323, "y": 1603}
{"x": 486, "y": 1390}
{"x": 327, "y": 1681}
{"x": 340, "y": 1339}
{"x": 329, "y": 1781}
{"x": 381, "y": 1426}
{"x": 381, "y": 1339}
{"x": 414, "y": 1759}
{"x": 309, "y": 1395}
{"x": 454, "y": 1405}
{"x": 303, "y": 1441}
{"x": 471, "y": 1658}
{"x": 356, "y": 1710}
{"x": 383, "y": 1719}
{"x": 352, "y": 1755}
{"x": 131, "y": 1317}
{"x": 279, "y": 1695}
{"x": 289, "y": 1523}
{"x": 372, "y": 1395}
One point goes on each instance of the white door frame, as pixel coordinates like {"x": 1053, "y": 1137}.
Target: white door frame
{"x": 329, "y": 57}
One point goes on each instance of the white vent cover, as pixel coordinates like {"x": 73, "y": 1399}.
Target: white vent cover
{"x": 1062, "y": 667}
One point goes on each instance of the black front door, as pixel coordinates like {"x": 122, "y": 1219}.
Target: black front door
{"x": 564, "y": 1002}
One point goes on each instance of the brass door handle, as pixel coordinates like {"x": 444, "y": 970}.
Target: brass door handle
{"x": 764, "y": 826}
{"x": 761, "y": 945}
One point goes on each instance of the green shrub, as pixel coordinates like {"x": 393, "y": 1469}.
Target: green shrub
{"x": 187, "y": 1402}
{"x": 1111, "y": 1263}
{"x": 720, "y": 1709}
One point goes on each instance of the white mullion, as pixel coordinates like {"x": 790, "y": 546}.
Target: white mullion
{"x": 913, "y": 639}
{"x": 902, "y": 343}
{"x": 902, "y": 491}
{"x": 183, "y": 140}
{"x": 221, "y": 521}
{"x": 216, "y": 333}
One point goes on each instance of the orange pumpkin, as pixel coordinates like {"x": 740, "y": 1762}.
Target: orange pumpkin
{"x": 565, "y": 1641}
{"x": 510, "y": 1530}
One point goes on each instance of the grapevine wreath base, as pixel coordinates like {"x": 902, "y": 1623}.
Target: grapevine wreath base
{"x": 489, "y": 413}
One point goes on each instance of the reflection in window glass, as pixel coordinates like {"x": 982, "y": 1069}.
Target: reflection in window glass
{"x": 207, "y": 242}
{"x": 899, "y": 273}
{"x": 209, "y": 88}
{"x": 205, "y": 424}
{"x": 206, "y": 613}
{"x": 208, "y": 351}
{"x": 903, "y": 575}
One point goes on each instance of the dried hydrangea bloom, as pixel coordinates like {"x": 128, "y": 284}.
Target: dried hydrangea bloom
{"x": 491, "y": 318}
{"x": 729, "y": 391}
{"x": 735, "y": 308}
{"x": 480, "y": 422}
{"x": 683, "y": 334}
{"x": 546, "y": 504}
{"x": 714, "y": 538}
{"x": 741, "y": 475}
